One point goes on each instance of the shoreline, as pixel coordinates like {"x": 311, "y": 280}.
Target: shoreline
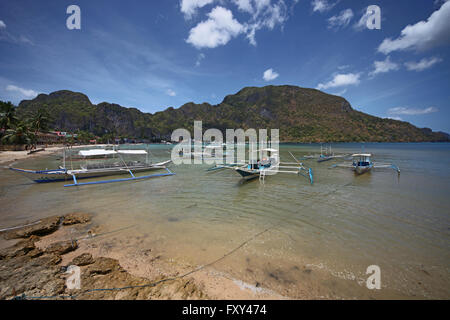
{"x": 7, "y": 157}
{"x": 10, "y": 156}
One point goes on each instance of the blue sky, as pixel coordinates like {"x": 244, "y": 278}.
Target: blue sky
{"x": 156, "y": 54}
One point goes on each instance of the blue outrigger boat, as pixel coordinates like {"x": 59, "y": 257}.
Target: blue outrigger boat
{"x": 99, "y": 170}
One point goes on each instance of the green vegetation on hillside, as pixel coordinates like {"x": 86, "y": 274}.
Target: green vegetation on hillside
{"x": 302, "y": 115}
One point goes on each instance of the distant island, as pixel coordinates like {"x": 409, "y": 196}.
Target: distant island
{"x": 302, "y": 115}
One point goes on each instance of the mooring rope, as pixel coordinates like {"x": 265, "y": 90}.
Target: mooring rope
{"x": 18, "y": 227}
{"x": 153, "y": 284}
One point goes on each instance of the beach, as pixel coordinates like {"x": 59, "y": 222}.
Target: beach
{"x": 10, "y": 156}
{"x": 35, "y": 267}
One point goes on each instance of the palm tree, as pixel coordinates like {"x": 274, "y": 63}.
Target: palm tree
{"x": 7, "y": 115}
{"x": 39, "y": 121}
{"x": 19, "y": 135}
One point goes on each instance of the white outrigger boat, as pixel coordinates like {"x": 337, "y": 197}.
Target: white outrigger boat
{"x": 325, "y": 155}
{"x": 267, "y": 166}
{"x": 362, "y": 163}
{"x": 208, "y": 152}
{"x": 97, "y": 170}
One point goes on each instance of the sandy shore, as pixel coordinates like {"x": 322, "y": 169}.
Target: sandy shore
{"x": 10, "y": 156}
{"x": 35, "y": 258}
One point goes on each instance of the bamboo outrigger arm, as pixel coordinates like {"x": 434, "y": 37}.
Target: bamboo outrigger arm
{"x": 133, "y": 177}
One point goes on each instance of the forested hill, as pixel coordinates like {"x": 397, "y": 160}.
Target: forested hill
{"x": 302, "y": 115}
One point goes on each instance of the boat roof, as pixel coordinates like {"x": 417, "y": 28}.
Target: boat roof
{"x": 104, "y": 152}
{"x": 267, "y": 150}
{"x": 361, "y": 155}
{"x": 140, "y": 151}
{"x": 96, "y": 152}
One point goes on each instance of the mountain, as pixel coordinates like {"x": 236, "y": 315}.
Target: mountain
{"x": 302, "y": 115}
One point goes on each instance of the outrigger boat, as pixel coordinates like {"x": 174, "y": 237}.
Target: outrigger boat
{"x": 268, "y": 165}
{"x": 208, "y": 152}
{"x": 99, "y": 169}
{"x": 362, "y": 163}
{"x": 325, "y": 155}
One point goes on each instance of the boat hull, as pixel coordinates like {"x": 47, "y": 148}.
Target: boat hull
{"x": 248, "y": 174}
{"x": 45, "y": 176}
{"x": 323, "y": 159}
{"x": 362, "y": 169}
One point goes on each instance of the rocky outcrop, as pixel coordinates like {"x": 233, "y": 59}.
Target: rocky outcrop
{"x": 82, "y": 260}
{"x": 26, "y": 269}
{"x": 27, "y": 272}
{"x": 39, "y": 228}
{"x": 62, "y": 247}
{"x": 46, "y": 225}
{"x": 74, "y": 218}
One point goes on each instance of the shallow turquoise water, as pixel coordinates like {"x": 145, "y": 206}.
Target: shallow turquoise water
{"x": 320, "y": 238}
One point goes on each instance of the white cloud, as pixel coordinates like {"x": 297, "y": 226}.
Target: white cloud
{"x": 244, "y": 5}
{"x": 422, "y": 35}
{"x": 395, "y": 118}
{"x": 189, "y": 7}
{"x": 345, "y": 66}
{"x": 422, "y": 64}
{"x": 340, "y": 80}
{"x": 341, "y": 20}
{"x": 171, "y": 93}
{"x": 383, "y": 66}
{"x": 269, "y": 75}
{"x": 200, "y": 57}
{"x": 322, "y": 5}
{"x": 27, "y": 93}
{"x": 362, "y": 22}
{"x": 264, "y": 14}
{"x": 7, "y": 36}
{"x": 411, "y": 111}
{"x": 217, "y": 30}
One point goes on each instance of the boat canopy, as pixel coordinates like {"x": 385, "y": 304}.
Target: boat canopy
{"x": 104, "y": 152}
{"x": 361, "y": 155}
{"x": 96, "y": 152}
{"x": 268, "y": 150}
{"x": 132, "y": 151}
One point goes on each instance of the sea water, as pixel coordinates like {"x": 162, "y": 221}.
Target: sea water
{"x": 297, "y": 239}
